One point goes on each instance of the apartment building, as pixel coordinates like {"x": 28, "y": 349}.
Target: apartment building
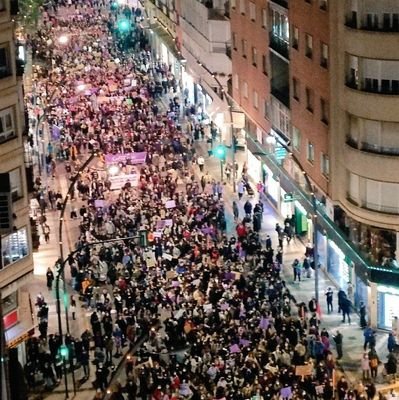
{"x": 193, "y": 38}
{"x": 327, "y": 85}
{"x": 251, "y": 74}
{"x": 16, "y": 265}
{"x": 364, "y": 121}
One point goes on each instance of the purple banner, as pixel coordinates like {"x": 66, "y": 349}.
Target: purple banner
{"x": 55, "y": 132}
{"x": 126, "y": 158}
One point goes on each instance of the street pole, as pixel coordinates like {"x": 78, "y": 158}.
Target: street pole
{"x": 221, "y": 170}
{"x": 313, "y": 215}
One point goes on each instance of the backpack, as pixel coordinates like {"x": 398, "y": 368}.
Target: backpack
{"x": 374, "y": 363}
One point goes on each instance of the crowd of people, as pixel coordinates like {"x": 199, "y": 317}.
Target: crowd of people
{"x": 217, "y": 318}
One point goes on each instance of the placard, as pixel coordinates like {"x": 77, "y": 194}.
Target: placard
{"x": 170, "y": 204}
{"x": 304, "y": 370}
{"x": 117, "y": 182}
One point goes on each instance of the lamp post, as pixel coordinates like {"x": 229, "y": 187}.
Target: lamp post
{"x": 271, "y": 139}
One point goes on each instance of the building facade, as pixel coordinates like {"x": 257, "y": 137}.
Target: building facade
{"x": 365, "y": 141}
{"x": 329, "y": 92}
{"x": 16, "y": 265}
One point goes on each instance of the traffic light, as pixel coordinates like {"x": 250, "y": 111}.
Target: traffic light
{"x": 220, "y": 152}
{"x": 64, "y": 352}
{"x": 123, "y": 26}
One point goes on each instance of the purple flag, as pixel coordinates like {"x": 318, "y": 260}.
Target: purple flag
{"x": 264, "y": 323}
{"x": 235, "y": 349}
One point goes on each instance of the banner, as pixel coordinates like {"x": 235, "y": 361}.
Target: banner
{"x": 117, "y": 182}
{"x": 126, "y": 158}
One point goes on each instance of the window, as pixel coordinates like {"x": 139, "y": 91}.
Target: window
{"x": 295, "y": 38}
{"x": 5, "y": 65}
{"x": 296, "y": 138}
{"x": 256, "y": 99}
{"x": 245, "y": 90}
{"x": 242, "y": 6}
{"x": 252, "y": 11}
{"x": 309, "y": 99}
{"x": 234, "y": 41}
{"x": 264, "y": 64}
{"x": 254, "y": 56}
{"x": 266, "y": 109}
{"x": 16, "y": 184}
{"x": 325, "y": 165}
{"x": 308, "y": 1}
{"x": 2, "y": 5}
{"x": 236, "y": 82}
{"x": 295, "y": 88}
{"x": 264, "y": 18}
{"x": 244, "y": 48}
{"x": 323, "y": 4}
{"x": 14, "y": 247}
{"x": 10, "y": 303}
{"x": 280, "y": 27}
{"x": 309, "y": 45}
{"x": 7, "y": 125}
{"x": 324, "y": 111}
{"x": 310, "y": 152}
{"x": 324, "y": 55}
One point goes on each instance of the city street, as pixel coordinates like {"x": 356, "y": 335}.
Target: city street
{"x": 192, "y": 285}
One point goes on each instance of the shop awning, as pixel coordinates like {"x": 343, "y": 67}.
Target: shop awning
{"x": 167, "y": 39}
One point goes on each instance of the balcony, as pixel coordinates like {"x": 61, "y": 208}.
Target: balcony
{"x": 380, "y": 208}
{"x": 281, "y": 94}
{"x": 279, "y": 45}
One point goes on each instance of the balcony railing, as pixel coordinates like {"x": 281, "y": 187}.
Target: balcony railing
{"x": 392, "y": 210}
{"x": 371, "y": 85}
{"x": 279, "y": 45}
{"x": 374, "y": 22}
{"x": 373, "y": 148}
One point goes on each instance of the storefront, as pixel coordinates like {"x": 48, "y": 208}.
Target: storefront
{"x": 286, "y": 207}
{"x": 272, "y": 186}
{"x": 338, "y": 266}
{"x": 188, "y": 86}
{"x": 164, "y": 48}
{"x": 302, "y": 223}
{"x": 254, "y": 167}
{"x": 360, "y": 293}
{"x": 387, "y": 306}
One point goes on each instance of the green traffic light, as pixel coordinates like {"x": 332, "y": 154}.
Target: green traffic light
{"x": 64, "y": 351}
{"x": 220, "y": 152}
{"x": 123, "y": 25}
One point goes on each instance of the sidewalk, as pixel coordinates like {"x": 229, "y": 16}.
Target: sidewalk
{"x": 303, "y": 291}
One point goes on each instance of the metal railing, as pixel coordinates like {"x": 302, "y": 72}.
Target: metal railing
{"x": 279, "y": 45}
{"x": 374, "y": 23}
